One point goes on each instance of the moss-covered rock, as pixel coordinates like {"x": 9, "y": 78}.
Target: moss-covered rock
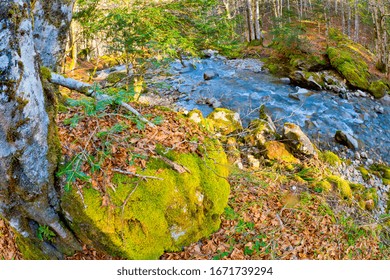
{"x": 145, "y": 218}
{"x": 275, "y": 150}
{"x": 323, "y": 186}
{"x": 342, "y": 185}
{"x": 378, "y": 89}
{"x": 330, "y": 158}
{"x": 350, "y": 65}
{"x": 225, "y": 121}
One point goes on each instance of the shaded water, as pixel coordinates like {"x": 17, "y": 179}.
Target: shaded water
{"x": 242, "y": 86}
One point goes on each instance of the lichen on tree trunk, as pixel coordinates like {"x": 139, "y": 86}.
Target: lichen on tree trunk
{"x": 28, "y": 158}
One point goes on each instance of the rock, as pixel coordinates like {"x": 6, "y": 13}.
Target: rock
{"x": 274, "y": 150}
{"x": 346, "y": 139}
{"x": 378, "y": 89}
{"x": 294, "y": 96}
{"x": 161, "y": 215}
{"x": 379, "y": 109}
{"x": 361, "y": 93}
{"x": 213, "y": 102}
{"x": 357, "y": 156}
{"x": 363, "y": 155}
{"x": 370, "y": 205}
{"x": 385, "y": 100}
{"x": 196, "y": 116}
{"x": 259, "y": 133}
{"x": 304, "y": 79}
{"x": 263, "y": 115}
{"x": 209, "y": 53}
{"x": 253, "y": 162}
{"x": 302, "y": 90}
{"x": 285, "y": 80}
{"x": 225, "y": 121}
{"x": 209, "y": 75}
{"x": 298, "y": 140}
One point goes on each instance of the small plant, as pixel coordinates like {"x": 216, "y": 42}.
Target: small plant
{"x": 45, "y": 233}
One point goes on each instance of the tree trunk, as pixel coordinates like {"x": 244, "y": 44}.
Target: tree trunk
{"x": 356, "y": 37}
{"x": 257, "y": 21}
{"x": 29, "y": 149}
{"x": 251, "y": 27}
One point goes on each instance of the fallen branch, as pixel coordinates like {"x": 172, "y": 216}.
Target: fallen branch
{"x": 145, "y": 177}
{"x": 179, "y": 168}
{"x": 88, "y": 90}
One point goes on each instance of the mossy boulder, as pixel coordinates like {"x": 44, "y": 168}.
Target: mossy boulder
{"x": 342, "y": 185}
{"x": 225, "y": 121}
{"x": 378, "y": 89}
{"x": 349, "y": 63}
{"x": 330, "y": 158}
{"x": 275, "y": 150}
{"x": 141, "y": 219}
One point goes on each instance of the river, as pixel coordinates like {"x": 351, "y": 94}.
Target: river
{"x": 243, "y": 86}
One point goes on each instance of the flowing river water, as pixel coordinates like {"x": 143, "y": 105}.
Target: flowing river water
{"x": 242, "y": 85}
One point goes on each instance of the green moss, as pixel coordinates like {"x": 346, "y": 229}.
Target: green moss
{"x": 323, "y": 186}
{"x": 342, "y": 185}
{"x": 224, "y": 121}
{"x": 29, "y": 249}
{"x": 146, "y": 218}
{"x": 330, "y": 158}
{"x": 277, "y": 151}
{"x": 378, "y": 89}
{"x": 45, "y": 73}
{"x": 350, "y": 65}
{"x": 116, "y": 77}
{"x": 364, "y": 172}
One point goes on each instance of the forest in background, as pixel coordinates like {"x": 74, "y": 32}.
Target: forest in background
{"x": 139, "y": 28}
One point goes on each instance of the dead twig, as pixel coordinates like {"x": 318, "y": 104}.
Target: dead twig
{"x": 178, "y": 167}
{"x": 144, "y": 177}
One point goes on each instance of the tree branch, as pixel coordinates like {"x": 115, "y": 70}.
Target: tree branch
{"x": 88, "y": 90}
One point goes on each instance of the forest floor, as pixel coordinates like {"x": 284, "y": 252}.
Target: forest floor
{"x": 270, "y": 215}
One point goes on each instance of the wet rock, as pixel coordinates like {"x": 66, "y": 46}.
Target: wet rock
{"x": 209, "y": 75}
{"x": 209, "y": 53}
{"x": 346, "y": 139}
{"x": 298, "y": 140}
{"x": 285, "y": 80}
{"x": 294, "y": 96}
{"x": 306, "y": 79}
{"x": 385, "y": 100}
{"x": 379, "y": 109}
{"x": 302, "y": 90}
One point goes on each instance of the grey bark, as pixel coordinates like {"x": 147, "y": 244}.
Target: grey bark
{"x": 258, "y": 35}
{"x": 28, "y": 155}
{"x": 251, "y": 27}
{"x": 356, "y": 36}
